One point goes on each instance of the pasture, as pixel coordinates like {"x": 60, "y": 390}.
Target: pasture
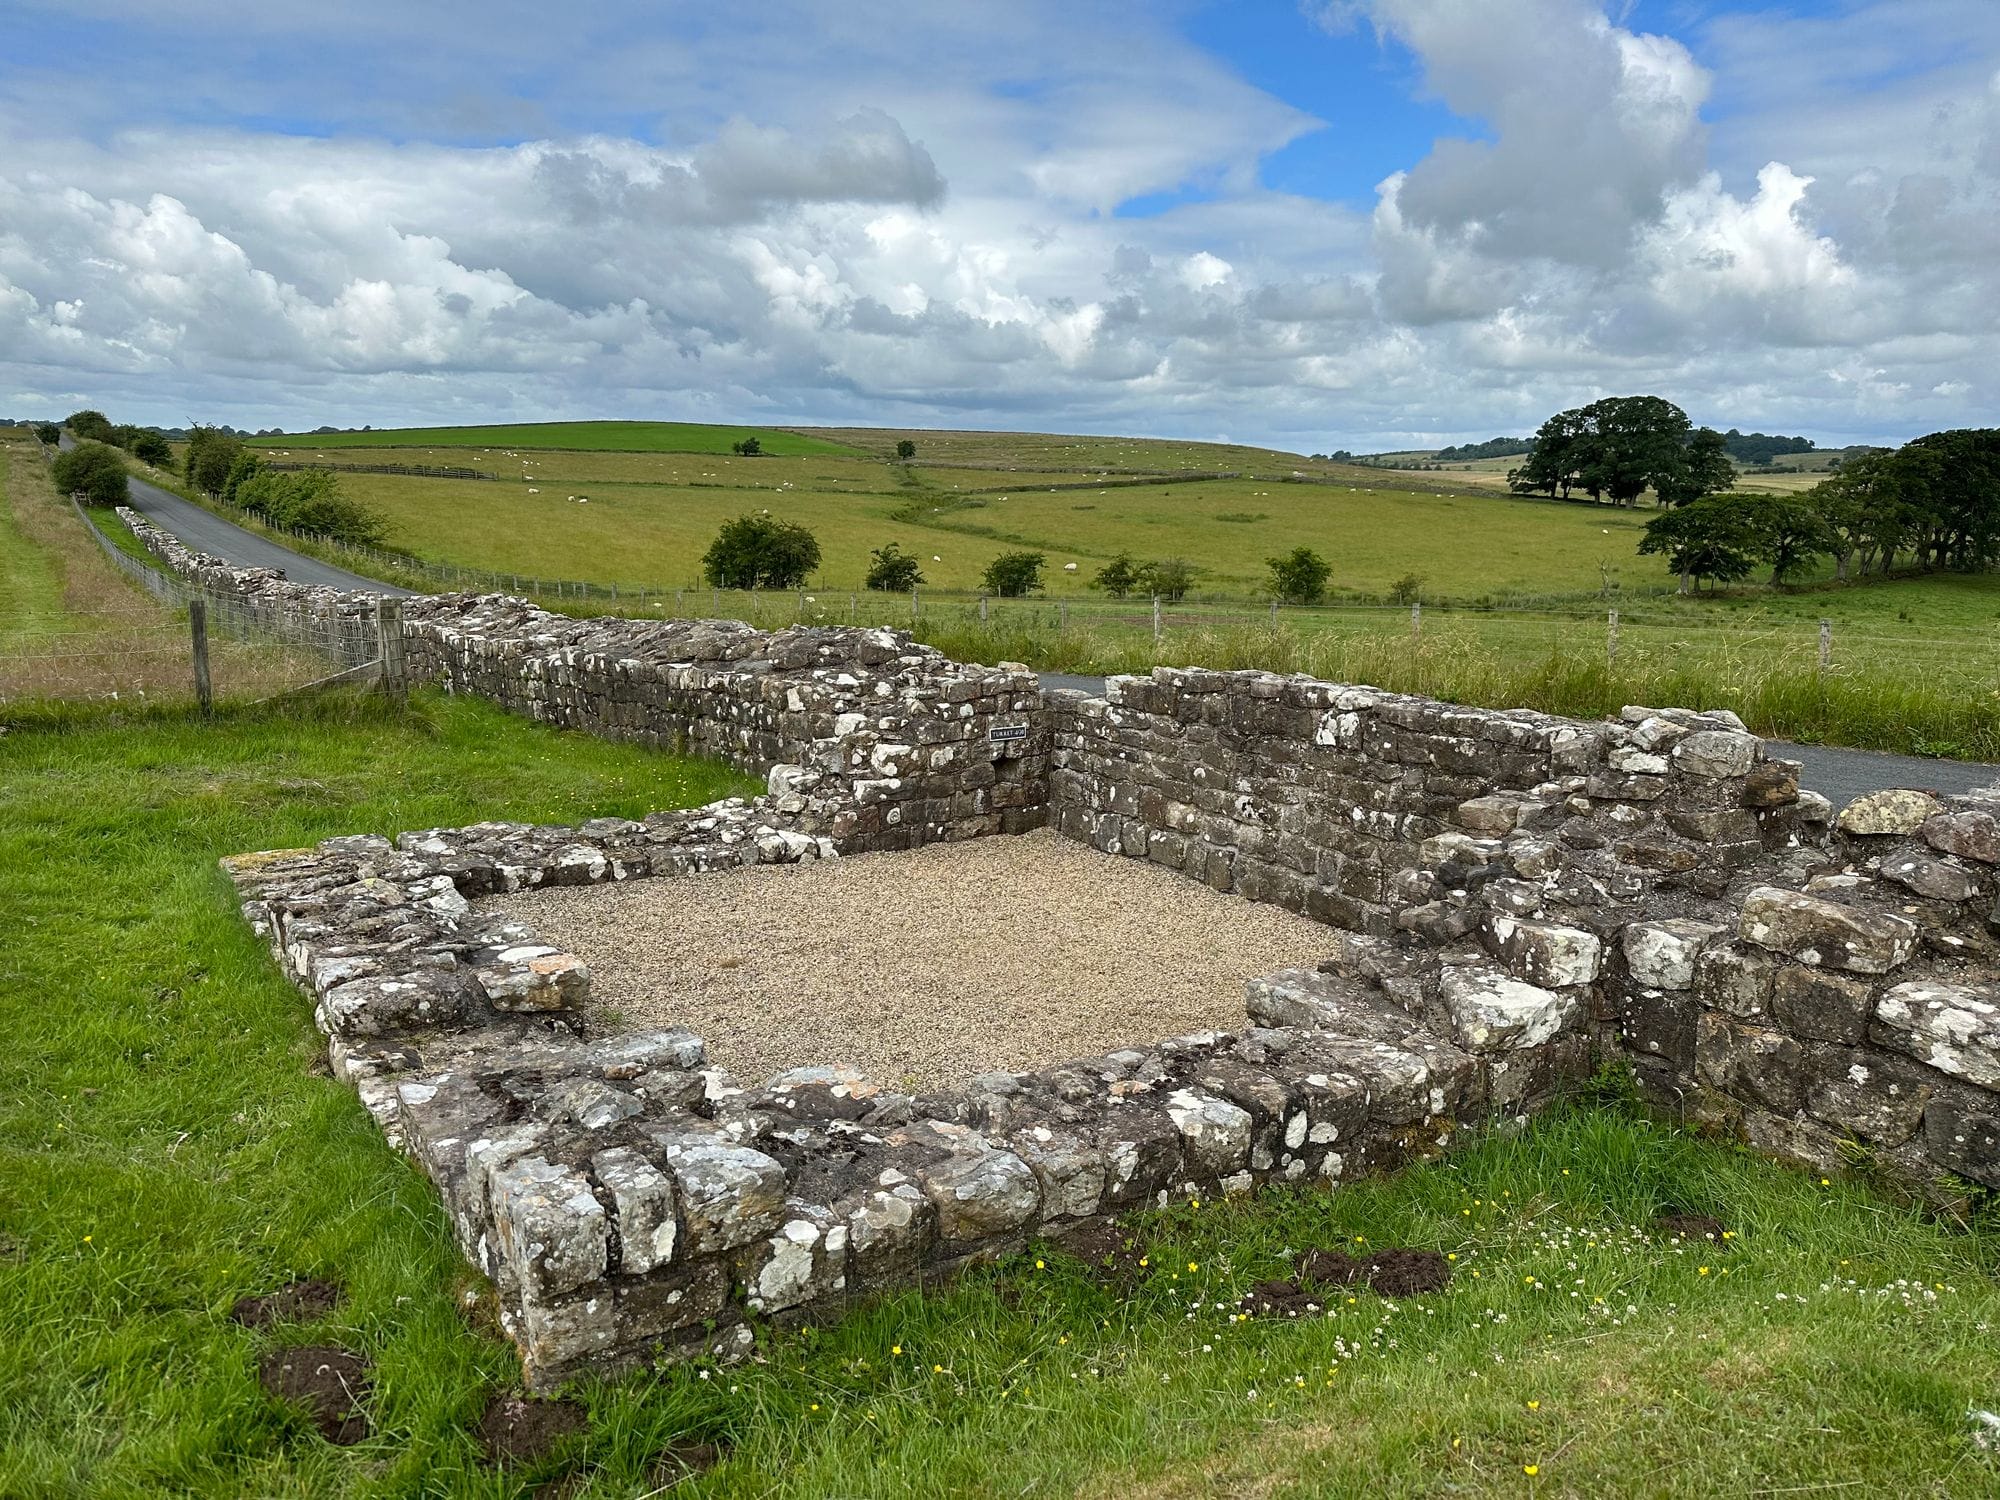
{"x": 639, "y": 437}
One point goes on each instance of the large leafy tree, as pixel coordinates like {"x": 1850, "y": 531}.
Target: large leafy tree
{"x": 1622, "y": 446}
{"x": 1716, "y": 538}
{"x": 211, "y": 453}
{"x": 93, "y": 425}
{"x": 1012, "y": 574}
{"x": 892, "y": 569}
{"x": 760, "y": 552}
{"x": 1299, "y": 577}
{"x": 93, "y": 470}
{"x": 1790, "y": 531}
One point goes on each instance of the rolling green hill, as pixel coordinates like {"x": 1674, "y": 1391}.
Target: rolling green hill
{"x": 614, "y": 437}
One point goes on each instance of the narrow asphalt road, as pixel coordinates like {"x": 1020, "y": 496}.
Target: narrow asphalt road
{"x": 207, "y": 532}
{"x": 1837, "y": 774}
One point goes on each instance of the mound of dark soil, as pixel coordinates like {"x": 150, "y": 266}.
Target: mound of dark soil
{"x": 1688, "y": 1227}
{"x": 295, "y": 1302}
{"x": 519, "y": 1429}
{"x": 330, "y": 1384}
{"x": 1389, "y": 1273}
{"x": 1107, "y": 1250}
{"x": 1280, "y": 1299}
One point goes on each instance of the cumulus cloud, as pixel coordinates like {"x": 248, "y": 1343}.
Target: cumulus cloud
{"x": 930, "y": 231}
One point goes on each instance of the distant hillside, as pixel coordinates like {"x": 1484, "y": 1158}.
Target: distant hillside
{"x": 1500, "y": 447}
{"x": 1761, "y": 448}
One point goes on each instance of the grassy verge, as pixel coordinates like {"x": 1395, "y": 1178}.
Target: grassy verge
{"x": 163, "y": 1147}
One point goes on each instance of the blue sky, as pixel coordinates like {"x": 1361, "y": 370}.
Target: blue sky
{"x": 1359, "y": 223}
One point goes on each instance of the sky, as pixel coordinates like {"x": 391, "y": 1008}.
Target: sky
{"x": 1316, "y": 224}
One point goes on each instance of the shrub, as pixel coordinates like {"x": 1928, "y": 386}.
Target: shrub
{"x": 48, "y": 432}
{"x": 91, "y": 425}
{"x": 753, "y": 552}
{"x": 1119, "y": 576}
{"x": 893, "y": 570}
{"x": 1170, "y": 578}
{"x": 310, "y": 501}
{"x": 1012, "y": 574}
{"x": 246, "y": 466}
{"x": 210, "y": 455}
{"x": 1299, "y": 577}
{"x": 94, "y": 470}
{"x": 749, "y": 447}
{"x": 146, "y": 445}
{"x": 1407, "y": 590}
{"x": 905, "y": 449}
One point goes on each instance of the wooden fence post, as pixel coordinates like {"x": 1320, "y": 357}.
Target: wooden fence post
{"x": 982, "y": 609}
{"x": 1156, "y": 619}
{"x": 1416, "y": 621}
{"x": 1611, "y": 641}
{"x": 389, "y": 638}
{"x": 916, "y": 606}
{"x": 1825, "y": 644}
{"x": 198, "y": 628}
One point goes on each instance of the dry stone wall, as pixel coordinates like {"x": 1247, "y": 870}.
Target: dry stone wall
{"x": 1511, "y": 899}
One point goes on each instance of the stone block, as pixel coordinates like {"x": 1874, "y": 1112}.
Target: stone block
{"x": 1962, "y": 1135}
{"x": 980, "y": 1193}
{"x": 1954, "y": 1028}
{"x": 1545, "y": 953}
{"x": 551, "y": 1231}
{"x": 1878, "y": 814}
{"x": 1733, "y": 979}
{"x": 1661, "y": 955}
{"x": 1873, "y": 1095}
{"x": 729, "y": 1195}
{"x": 1933, "y": 879}
{"x": 1716, "y": 753}
{"x": 806, "y": 1259}
{"x": 646, "y": 1206}
{"x": 1822, "y": 1007}
{"x": 1969, "y": 835}
{"x": 1825, "y": 934}
{"x": 1749, "y": 1063}
{"x": 1492, "y": 1011}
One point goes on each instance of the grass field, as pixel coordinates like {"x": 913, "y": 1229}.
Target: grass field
{"x": 629, "y": 437}
{"x": 166, "y": 1147}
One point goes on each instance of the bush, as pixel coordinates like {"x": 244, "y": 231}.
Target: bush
{"x": 310, "y": 502}
{"x": 1407, "y": 590}
{"x": 1299, "y": 577}
{"x": 1170, "y": 578}
{"x": 757, "y": 552}
{"x": 749, "y": 448}
{"x": 94, "y": 470}
{"x": 146, "y": 445}
{"x": 1118, "y": 577}
{"x": 905, "y": 449}
{"x": 48, "y": 432}
{"x": 91, "y": 425}
{"x": 893, "y": 570}
{"x": 246, "y": 466}
{"x": 211, "y": 453}
{"x": 1012, "y": 574}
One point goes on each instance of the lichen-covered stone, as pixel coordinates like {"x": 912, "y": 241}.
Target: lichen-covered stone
{"x": 1970, "y": 835}
{"x": 1491, "y": 1010}
{"x": 551, "y": 1229}
{"x": 729, "y": 1194}
{"x": 646, "y": 1205}
{"x": 1825, "y": 934}
{"x": 1954, "y": 1028}
{"x": 1546, "y": 953}
{"x": 1661, "y": 955}
{"x": 1880, "y": 814}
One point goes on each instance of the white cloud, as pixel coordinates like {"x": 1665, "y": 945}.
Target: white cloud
{"x": 896, "y": 212}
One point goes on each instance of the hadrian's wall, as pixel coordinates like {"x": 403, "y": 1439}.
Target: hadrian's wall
{"x": 1511, "y": 900}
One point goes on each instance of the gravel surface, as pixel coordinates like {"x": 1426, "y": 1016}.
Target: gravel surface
{"x": 922, "y": 969}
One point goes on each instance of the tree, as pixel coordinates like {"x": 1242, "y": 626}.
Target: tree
{"x": 1711, "y": 538}
{"x": 1790, "y": 532}
{"x": 905, "y": 449}
{"x": 1170, "y": 578}
{"x": 1950, "y": 484}
{"x": 749, "y": 447}
{"x": 1407, "y": 590}
{"x": 246, "y": 466}
{"x": 1704, "y": 469}
{"x": 48, "y": 432}
{"x": 894, "y": 570}
{"x": 1618, "y": 447}
{"x": 93, "y": 425}
{"x": 1118, "y": 577}
{"x": 1554, "y": 461}
{"x": 145, "y": 445}
{"x": 1012, "y": 574}
{"x": 753, "y": 552}
{"x": 93, "y": 470}
{"x": 1299, "y": 577}
{"x": 210, "y": 454}
{"x": 309, "y": 501}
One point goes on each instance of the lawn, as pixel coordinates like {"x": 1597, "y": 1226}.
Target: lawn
{"x": 641, "y": 437}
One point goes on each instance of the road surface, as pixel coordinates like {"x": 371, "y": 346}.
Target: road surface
{"x": 1837, "y": 774}
{"x": 207, "y": 532}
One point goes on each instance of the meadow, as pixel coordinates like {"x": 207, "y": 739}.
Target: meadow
{"x": 639, "y": 437}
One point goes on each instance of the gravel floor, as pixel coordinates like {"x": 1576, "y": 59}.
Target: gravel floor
{"x": 922, "y": 969}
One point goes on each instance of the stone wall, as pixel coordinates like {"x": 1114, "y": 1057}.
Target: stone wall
{"x": 912, "y": 746}
{"x": 1511, "y": 900}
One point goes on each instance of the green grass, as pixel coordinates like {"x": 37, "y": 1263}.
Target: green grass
{"x": 31, "y": 582}
{"x": 165, "y": 1149}
{"x": 629, "y": 437}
